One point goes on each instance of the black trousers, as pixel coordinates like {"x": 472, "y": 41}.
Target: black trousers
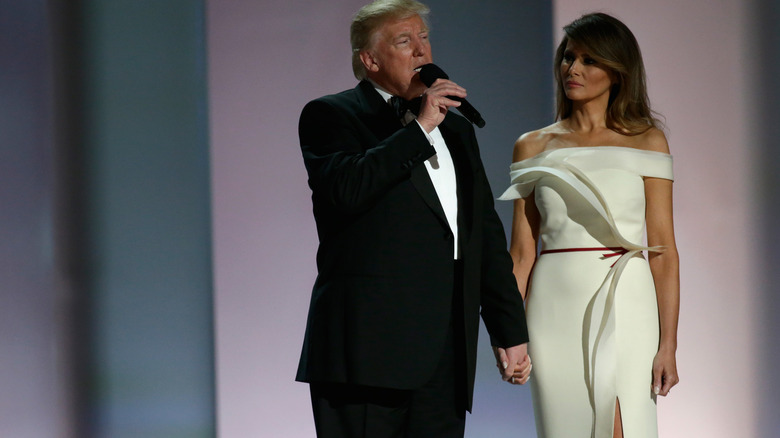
{"x": 436, "y": 410}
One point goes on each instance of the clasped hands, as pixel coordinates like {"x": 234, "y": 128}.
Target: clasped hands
{"x": 514, "y": 364}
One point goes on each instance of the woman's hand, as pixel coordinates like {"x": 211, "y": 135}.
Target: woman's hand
{"x": 522, "y": 369}
{"x": 664, "y": 371}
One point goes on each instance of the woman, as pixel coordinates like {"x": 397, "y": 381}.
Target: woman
{"x": 602, "y": 318}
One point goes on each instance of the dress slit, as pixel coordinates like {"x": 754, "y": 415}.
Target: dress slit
{"x": 618, "y": 421}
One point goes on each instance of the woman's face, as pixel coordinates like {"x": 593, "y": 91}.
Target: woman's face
{"x": 582, "y": 77}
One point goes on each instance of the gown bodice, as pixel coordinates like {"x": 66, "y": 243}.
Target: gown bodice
{"x": 589, "y": 196}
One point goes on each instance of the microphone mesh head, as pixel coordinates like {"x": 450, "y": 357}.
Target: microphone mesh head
{"x": 430, "y": 72}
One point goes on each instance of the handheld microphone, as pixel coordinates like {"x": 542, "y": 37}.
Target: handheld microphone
{"x": 428, "y": 75}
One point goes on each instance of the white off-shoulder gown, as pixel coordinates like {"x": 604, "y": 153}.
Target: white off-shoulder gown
{"x": 592, "y": 311}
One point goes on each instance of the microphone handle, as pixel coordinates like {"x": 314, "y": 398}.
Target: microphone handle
{"x": 469, "y": 112}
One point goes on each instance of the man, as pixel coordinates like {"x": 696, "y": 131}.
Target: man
{"x": 410, "y": 246}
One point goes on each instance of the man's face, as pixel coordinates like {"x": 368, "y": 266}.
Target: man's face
{"x": 398, "y": 48}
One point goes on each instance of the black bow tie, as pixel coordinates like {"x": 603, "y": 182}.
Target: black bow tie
{"x": 402, "y": 105}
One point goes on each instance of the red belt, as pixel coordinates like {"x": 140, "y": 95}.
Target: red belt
{"x": 616, "y": 251}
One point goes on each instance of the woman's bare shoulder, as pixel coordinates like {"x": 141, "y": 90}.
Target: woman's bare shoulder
{"x": 533, "y": 143}
{"x": 653, "y": 140}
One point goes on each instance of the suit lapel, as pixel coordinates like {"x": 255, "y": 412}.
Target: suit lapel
{"x": 422, "y": 182}
{"x": 381, "y": 120}
{"x": 377, "y": 115}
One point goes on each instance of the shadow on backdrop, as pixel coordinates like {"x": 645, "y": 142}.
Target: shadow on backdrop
{"x": 133, "y": 221}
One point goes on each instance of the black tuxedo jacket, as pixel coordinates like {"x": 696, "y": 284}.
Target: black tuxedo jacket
{"x": 382, "y": 300}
